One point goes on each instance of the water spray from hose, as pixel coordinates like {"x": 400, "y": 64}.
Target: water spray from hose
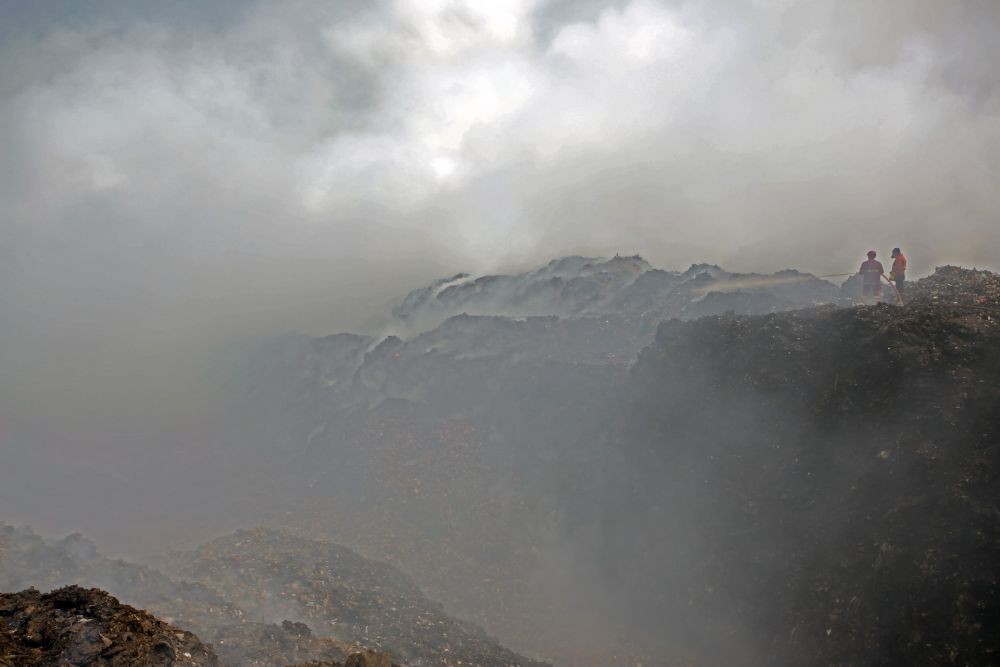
{"x": 753, "y": 283}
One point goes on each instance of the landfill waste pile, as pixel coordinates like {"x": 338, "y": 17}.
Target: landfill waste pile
{"x": 271, "y": 644}
{"x": 471, "y": 454}
{"x": 523, "y": 464}
{"x": 452, "y": 450}
{"x": 338, "y": 593}
{"x": 955, "y": 286}
{"x": 948, "y": 285}
{"x": 648, "y": 467}
{"x": 27, "y": 560}
{"x": 572, "y": 287}
{"x": 575, "y": 309}
{"x": 842, "y": 466}
{"x": 353, "y": 606}
{"x": 84, "y": 627}
{"x": 365, "y": 659}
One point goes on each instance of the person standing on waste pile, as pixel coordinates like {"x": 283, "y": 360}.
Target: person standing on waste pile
{"x": 871, "y": 272}
{"x": 898, "y": 273}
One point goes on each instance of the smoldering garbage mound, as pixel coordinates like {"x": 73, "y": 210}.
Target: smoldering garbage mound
{"x": 339, "y": 593}
{"x": 957, "y": 286}
{"x": 622, "y": 286}
{"x": 813, "y": 487}
{"x": 336, "y": 606}
{"x": 573, "y": 310}
{"x": 705, "y": 494}
{"x": 363, "y": 659}
{"x": 77, "y": 626}
{"x": 90, "y": 628}
{"x": 838, "y": 471}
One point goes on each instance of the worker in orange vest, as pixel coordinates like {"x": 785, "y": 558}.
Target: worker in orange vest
{"x": 871, "y": 272}
{"x": 898, "y": 273}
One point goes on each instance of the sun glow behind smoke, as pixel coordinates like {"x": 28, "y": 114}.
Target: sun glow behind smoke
{"x": 286, "y": 164}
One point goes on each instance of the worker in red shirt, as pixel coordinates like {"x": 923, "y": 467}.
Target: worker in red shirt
{"x": 898, "y": 273}
{"x": 871, "y": 273}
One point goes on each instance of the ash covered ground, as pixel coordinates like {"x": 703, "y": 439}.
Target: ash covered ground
{"x": 597, "y": 462}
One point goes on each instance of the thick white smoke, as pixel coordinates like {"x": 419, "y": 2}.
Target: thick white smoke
{"x": 171, "y": 176}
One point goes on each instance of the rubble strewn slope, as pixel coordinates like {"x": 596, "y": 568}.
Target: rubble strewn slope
{"x": 248, "y": 595}
{"x": 838, "y": 470}
{"x": 487, "y": 445}
{"x": 77, "y": 626}
{"x": 339, "y": 593}
{"x": 808, "y": 487}
{"x": 581, "y": 286}
{"x": 573, "y": 310}
{"x": 781, "y": 488}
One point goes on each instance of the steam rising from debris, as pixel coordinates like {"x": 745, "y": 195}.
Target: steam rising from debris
{"x": 174, "y": 175}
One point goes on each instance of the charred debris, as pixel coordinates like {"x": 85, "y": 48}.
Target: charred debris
{"x": 77, "y": 626}
{"x": 85, "y": 627}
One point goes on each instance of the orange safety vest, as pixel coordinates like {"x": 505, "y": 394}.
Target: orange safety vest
{"x": 899, "y": 265}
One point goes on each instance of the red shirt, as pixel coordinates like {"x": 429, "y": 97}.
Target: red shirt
{"x": 872, "y": 271}
{"x": 899, "y": 265}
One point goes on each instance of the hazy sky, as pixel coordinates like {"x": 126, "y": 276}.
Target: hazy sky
{"x": 175, "y": 172}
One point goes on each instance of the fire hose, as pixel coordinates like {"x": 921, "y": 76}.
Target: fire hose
{"x": 893, "y": 286}
{"x": 885, "y": 277}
